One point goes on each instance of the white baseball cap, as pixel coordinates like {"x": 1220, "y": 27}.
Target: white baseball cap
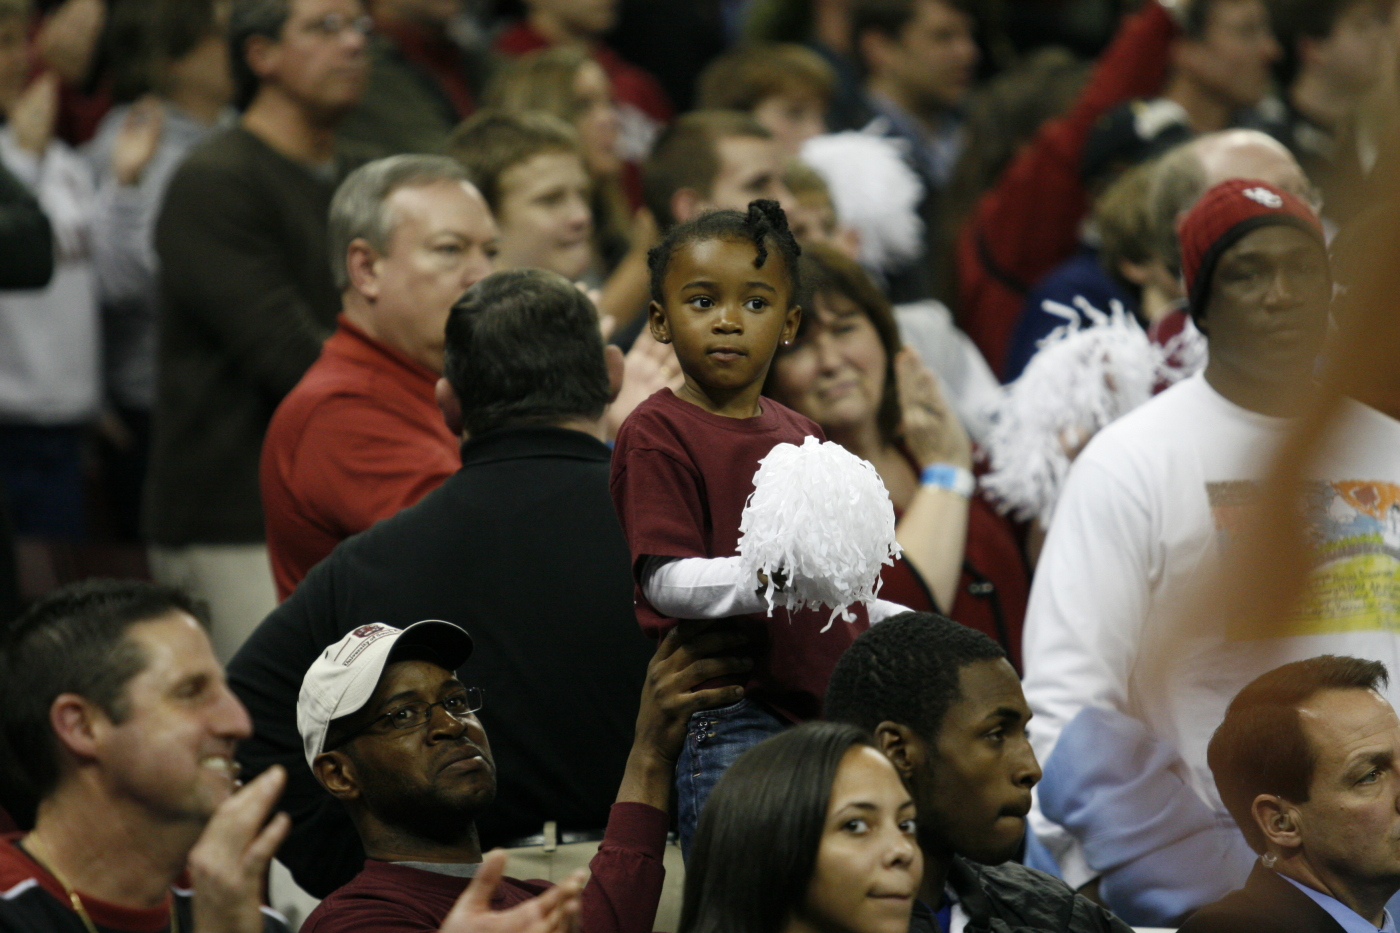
{"x": 343, "y": 678}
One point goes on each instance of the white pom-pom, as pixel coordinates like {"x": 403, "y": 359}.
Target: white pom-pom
{"x": 874, "y": 191}
{"x": 820, "y": 518}
{"x": 1081, "y": 379}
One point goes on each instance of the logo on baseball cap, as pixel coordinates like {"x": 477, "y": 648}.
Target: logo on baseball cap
{"x": 342, "y": 680}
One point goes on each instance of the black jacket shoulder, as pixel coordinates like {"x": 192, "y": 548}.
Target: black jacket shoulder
{"x": 1011, "y": 898}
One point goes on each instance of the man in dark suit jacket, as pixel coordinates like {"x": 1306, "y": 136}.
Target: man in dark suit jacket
{"x": 522, "y": 548}
{"x": 1308, "y": 763}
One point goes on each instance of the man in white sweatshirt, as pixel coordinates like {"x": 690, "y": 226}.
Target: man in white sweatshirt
{"x": 1128, "y": 802}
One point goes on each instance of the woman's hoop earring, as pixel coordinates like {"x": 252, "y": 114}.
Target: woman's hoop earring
{"x": 1269, "y": 860}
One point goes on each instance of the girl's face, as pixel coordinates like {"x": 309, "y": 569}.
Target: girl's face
{"x": 869, "y": 866}
{"x": 597, "y": 120}
{"x": 724, "y": 317}
{"x": 836, "y": 374}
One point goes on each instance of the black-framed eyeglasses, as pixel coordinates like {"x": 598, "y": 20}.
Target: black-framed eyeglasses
{"x": 407, "y": 716}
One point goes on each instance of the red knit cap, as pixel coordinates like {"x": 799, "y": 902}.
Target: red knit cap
{"x": 1222, "y": 216}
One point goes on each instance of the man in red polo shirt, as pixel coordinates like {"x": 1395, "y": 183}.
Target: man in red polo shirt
{"x": 361, "y": 436}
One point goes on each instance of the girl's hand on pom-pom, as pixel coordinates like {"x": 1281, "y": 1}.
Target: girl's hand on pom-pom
{"x": 927, "y": 423}
{"x": 779, "y": 581}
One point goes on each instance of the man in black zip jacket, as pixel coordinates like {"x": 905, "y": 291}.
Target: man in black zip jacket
{"x": 946, "y": 707}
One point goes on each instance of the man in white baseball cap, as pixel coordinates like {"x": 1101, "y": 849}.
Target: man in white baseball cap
{"x": 391, "y": 732}
{"x": 343, "y": 678}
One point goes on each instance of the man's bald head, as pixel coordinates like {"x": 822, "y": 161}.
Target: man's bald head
{"x": 1249, "y": 154}
{"x": 1193, "y": 168}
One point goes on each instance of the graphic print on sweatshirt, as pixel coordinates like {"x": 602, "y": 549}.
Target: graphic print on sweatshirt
{"x": 1354, "y": 530}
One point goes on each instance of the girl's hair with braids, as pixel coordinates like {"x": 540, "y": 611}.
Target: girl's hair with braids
{"x": 764, "y": 224}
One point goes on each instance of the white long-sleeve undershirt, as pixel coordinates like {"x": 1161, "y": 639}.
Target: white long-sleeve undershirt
{"x": 716, "y": 588}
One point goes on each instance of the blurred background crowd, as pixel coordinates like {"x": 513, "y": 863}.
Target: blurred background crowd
{"x": 1006, "y": 129}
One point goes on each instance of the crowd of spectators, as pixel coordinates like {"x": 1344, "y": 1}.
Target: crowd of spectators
{"x": 410, "y": 362}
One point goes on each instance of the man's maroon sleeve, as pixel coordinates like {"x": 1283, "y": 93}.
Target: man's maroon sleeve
{"x": 625, "y": 889}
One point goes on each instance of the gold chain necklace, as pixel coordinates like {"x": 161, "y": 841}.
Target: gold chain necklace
{"x": 46, "y": 862}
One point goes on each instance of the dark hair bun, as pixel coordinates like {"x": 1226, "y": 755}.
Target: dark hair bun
{"x": 766, "y": 218}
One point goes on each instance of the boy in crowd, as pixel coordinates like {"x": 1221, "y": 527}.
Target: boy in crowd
{"x": 785, "y": 87}
{"x": 712, "y": 160}
{"x": 946, "y": 706}
{"x": 530, "y": 169}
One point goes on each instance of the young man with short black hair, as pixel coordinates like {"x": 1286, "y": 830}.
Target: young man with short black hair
{"x": 1220, "y": 64}
{"x": 1306, "y": 762}
{"x": 946, "y": 706}
{"x": 920, "y": 59}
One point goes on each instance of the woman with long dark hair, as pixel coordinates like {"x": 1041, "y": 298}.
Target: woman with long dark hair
{"x": 809, "y": 830}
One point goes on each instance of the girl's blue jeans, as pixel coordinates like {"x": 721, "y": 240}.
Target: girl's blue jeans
{"x": 716, "y": 738}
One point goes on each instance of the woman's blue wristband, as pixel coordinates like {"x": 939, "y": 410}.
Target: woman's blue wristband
{"x": 948, "y": 476}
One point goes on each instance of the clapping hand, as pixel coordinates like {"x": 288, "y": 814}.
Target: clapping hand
{"x": 137, "y": 140}
{"x": 229, "y": 862}
{"x": 648, "y": 367}
{"x": 34, "y": 114}
{"x": 554, "y": 911}
{"x": 928, "y": 424}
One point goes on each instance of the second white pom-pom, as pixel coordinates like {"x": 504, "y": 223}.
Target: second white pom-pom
{"x": 820, "y": 519}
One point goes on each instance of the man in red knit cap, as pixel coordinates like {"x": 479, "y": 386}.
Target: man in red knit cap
{"x": 1128, "y": 804}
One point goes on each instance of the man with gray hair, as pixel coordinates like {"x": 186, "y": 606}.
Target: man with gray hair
{"x": 361, "y": 437}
